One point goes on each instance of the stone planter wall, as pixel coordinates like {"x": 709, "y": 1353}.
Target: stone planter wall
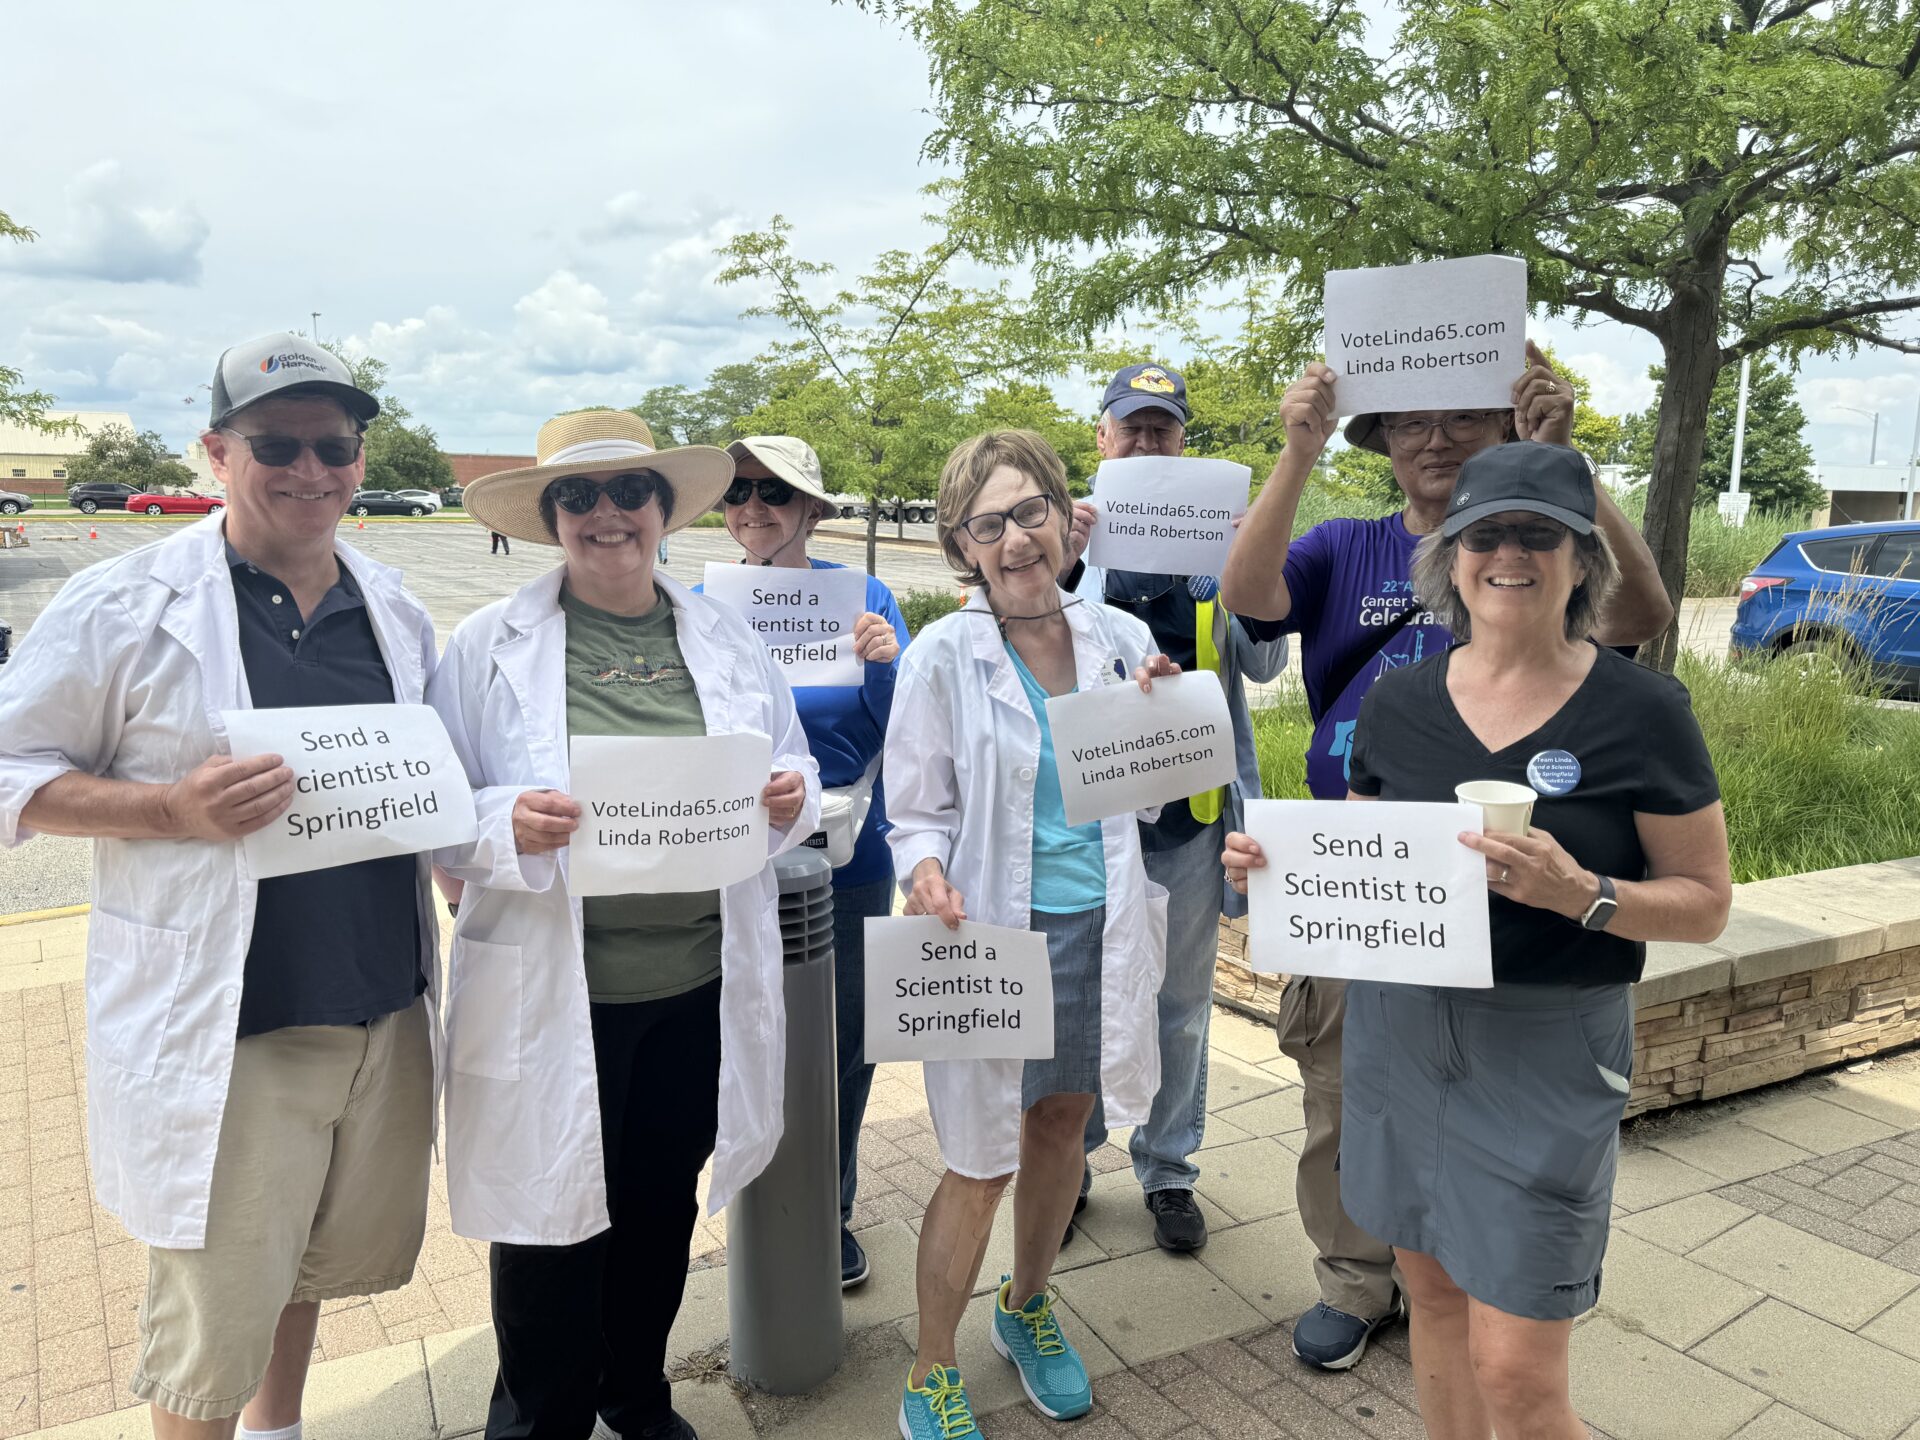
{"x": 1812, "y": 970}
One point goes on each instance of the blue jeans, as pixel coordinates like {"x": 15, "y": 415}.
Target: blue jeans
{"x": 1178, "y": 1120}
{"x": 852, "y": 904}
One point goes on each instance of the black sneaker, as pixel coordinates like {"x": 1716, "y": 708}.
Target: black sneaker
{"x": 1078, "y": 1205}
{"x": 853, "y": 1262}
{"x": 674, "y": 1427}
{"x": 1330, "y": 1339}
{"x": 1178, "y": 1224}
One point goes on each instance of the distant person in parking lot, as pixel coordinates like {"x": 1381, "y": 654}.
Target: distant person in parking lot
{"x": 500, "y": 545}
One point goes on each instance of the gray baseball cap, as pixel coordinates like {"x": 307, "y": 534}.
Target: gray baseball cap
{"x": 282, "y": 361}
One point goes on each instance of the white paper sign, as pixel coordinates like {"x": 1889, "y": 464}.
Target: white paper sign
{"x": 805, "y": 616}
{"x": 982, "y": 992}
{"x": 369, "y": 781}
{"x": 1444, "y": 334}
{"x": 661, "y": 815}
{"x": 1120, "y": 750}
{"x": 1166, "y": 514}
{"x": 1377, "y": 891}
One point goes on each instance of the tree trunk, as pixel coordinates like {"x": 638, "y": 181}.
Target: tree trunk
{"x": 873, "y": 532}
{"x": 1692, "y": 352}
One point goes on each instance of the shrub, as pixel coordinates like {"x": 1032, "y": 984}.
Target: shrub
{"x": 1813, "y": 773}
{"x": 922, "y": 607}
{"x": 1720, "y": 555}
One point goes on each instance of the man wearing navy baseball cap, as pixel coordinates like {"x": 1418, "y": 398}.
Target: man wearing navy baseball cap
{"x": 1144, "y": 412}
{"x": 260, "y": 1057}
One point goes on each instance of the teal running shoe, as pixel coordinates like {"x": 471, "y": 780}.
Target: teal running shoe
{"x": 1051, "y": 1371}
{"x": 937, "y": 1410}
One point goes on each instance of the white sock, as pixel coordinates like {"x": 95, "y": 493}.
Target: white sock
{"x": 285, "y": 1432}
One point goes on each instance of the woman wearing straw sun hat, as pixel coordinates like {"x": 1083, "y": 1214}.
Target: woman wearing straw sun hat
{"x": 776, "y": 500}
{"x": 572, "y": 1020}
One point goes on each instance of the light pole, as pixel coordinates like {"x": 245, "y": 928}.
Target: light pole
{"x": 1873, "y": 445}
{"x": 1913, "y": 458}
{"x": 315, "y": 331}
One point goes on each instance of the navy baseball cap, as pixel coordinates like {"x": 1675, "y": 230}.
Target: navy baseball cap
{"x": 1138, "y": 386}
{"x": 1551, "y": 480}
{"x": 283, "y": 361}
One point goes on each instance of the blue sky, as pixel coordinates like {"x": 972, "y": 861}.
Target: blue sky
{"x": 516, "y": 206}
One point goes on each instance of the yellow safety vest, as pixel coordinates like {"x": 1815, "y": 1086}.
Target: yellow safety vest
{"x": 1208, "y": 804}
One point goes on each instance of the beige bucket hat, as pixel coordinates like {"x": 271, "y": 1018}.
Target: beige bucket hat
{"x": 789, "y": 458}
{"x": 597, "y": 442}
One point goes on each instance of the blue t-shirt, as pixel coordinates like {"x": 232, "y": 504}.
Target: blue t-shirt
{"x": 1069, "y": 861}
{"x": 1347, "y": 579}
{"x": 846, "y": 725}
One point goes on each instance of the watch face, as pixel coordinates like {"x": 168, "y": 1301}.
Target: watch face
{"x": 1601, "y": 915}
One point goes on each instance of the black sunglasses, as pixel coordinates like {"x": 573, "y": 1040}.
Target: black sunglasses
{"x": 1485, "y": 535}
{"x": 1030, "y": 514}
{"x": 279, "y": 451}
{"x": 772, "y": 492}
{"x": 578, "y": 494}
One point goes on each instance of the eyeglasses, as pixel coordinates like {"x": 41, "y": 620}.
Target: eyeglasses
{"x": 772, "y": 492}
{"x": 1485, "y": 535}
{"x": 278, "y": 451}
{"x": 1030, "y": 514}
{"x": 1410, "y": 435}
{"x": 578, "y": 494}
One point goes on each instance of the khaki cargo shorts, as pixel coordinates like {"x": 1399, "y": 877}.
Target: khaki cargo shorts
{"x": 319, "y": 1191}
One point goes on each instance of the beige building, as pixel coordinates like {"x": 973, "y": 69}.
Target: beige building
{"x": 35, "y": 463}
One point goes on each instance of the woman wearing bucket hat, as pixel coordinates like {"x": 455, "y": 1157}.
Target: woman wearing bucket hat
{"x": 600, "y": 1049}
{"x": 1479, "y": 1127}
{"x": 776, "y": 500}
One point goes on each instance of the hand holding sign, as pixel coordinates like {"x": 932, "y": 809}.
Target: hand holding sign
{"x": 223, "y": 799}
{"x": 368, "y": 781}
{"x": 1439, "y": 335}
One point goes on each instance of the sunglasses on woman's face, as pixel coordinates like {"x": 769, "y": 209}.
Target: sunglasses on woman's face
{"x": 578, "y": 494}
{"x": 1486, "y": 535}
{"x": 277, "y": 452}
{"x": 772, "y": 492}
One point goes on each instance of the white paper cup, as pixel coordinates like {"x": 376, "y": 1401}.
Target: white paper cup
{"x": 1505, "y": 808}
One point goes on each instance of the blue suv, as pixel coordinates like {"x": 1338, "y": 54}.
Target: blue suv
{"x": 1857, "y": 586}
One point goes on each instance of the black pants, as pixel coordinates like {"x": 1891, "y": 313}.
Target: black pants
{"x": 584, "y": 1327}
{"x": 499, "y": 544}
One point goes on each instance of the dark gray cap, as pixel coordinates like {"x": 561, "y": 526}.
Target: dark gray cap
{"x": 282, "y": 361}
{"x": 1551, "y": 480}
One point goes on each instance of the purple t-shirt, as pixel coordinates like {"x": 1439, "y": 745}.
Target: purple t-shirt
{"x": 1348, "y": 579}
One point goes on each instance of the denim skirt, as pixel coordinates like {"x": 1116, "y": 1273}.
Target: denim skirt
{"x": 1481, "y": 1127}
{"x": 1074, "y": 948}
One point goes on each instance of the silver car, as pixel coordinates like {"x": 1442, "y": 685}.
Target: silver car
{"x": 12, "y": 502}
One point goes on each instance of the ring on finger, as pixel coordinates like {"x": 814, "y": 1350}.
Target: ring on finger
{"x": 1505, "y": 870}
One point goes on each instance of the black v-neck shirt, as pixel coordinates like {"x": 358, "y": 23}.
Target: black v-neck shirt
{"x": 1640, "y": 749}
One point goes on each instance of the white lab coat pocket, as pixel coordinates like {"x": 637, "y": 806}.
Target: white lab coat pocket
{"x": 483, "y": 1009}
{"x": 133, "y": 977}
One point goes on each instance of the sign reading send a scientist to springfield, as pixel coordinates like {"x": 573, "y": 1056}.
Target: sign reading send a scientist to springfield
{"x": 805, "y": 616}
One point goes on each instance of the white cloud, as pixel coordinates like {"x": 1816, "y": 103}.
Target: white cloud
{"x": 565, "y": 328}
{"x": 108, "y": 236}
{"x": 1613, "y": 388}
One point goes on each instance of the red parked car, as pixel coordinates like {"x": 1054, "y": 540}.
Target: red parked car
{"x": 192, "y": 503}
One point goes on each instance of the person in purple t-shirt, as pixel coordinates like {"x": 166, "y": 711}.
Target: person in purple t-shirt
{"x": 1344, "y": 587}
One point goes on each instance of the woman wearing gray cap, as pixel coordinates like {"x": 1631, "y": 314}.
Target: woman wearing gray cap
{"x": 776, "y": 500}
{"x": 1480, "y": 1127}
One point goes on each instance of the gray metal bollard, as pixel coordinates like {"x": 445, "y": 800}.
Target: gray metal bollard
{"x": 783, "y": 1230}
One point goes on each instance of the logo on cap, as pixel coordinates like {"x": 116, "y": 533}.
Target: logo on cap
{"x": 270, "y": 364}
{"x": 1461, "y": 499}
{"x": 292, "y": 359}
{"x": 1154, "y": 379}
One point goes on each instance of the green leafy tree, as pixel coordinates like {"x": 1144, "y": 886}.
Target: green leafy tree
{"x": 400, "y": 455}
{"x": 18, "y": 406}
{"x": 141, "y": 460}
{"x": 1023, "y": 405}
{"x": 880, "y": 375}
{"x": 712, "y": 414}
{"x": 1649, "y": 159}
{"x": 1776, "y": 467}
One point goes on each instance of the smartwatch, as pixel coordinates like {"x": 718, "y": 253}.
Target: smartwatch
{"x": 1600, "y": 914}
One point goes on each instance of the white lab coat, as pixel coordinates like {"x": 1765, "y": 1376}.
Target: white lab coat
{"x": 524, "y": 1161}
{"x": 962, "y": 751}
{"x": 125, "y": 676}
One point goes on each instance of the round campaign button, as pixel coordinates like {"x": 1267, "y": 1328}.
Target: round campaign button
{"x": 1553, "y": 772}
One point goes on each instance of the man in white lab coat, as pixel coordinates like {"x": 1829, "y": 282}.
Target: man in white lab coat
{"x": 260, "y": 1069}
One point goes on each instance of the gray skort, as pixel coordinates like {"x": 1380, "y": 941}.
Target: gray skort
{"x": 1074, "y": 950}
{"x": 1481, "y": 1127}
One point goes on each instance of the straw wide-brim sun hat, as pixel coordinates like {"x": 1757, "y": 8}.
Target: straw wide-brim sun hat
{"x": 597, "y": 442}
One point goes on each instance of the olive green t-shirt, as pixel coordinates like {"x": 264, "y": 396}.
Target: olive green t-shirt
{"x": 626, "y": 676}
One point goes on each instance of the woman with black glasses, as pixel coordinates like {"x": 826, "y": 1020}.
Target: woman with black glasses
{"x": 980, "y": 833}
{"x": 776, "y": 501}
{"x": 601, "y": 1048}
